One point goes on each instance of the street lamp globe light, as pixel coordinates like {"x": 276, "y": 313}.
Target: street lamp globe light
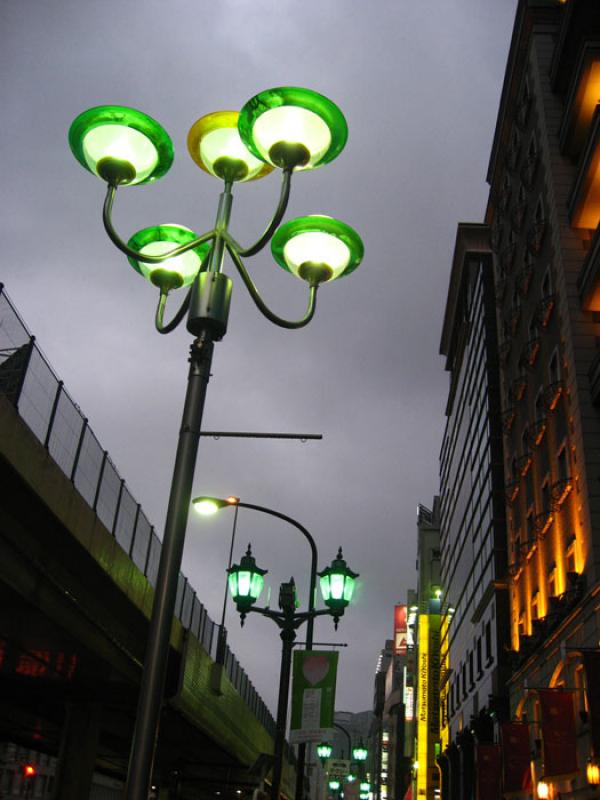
{"x": 360, "y": 753}
{"x": 337, "y": 585}
{"x": 324, "y": 751}
{"x": 246, "y": 582}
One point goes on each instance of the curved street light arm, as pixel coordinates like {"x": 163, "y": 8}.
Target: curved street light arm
{"x": 276, "y": 219}
{"x": 313, "y": 556}
{"x": 160, "y": 310}
{"x": 261, "y": 305}
{"x": 130, "y": 252}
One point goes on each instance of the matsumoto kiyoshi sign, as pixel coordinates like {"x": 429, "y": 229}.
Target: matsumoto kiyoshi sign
{"x": 313, "y": 695}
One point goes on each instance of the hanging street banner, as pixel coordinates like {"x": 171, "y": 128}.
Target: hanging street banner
{"x": 558, "y": 733}
{"x": 516, "y": 757}
{"x": 313, "y": 695}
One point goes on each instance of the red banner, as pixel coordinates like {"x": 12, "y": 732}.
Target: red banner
{"x": 399, "y": 630}
{"x": 516, "y": 758}
{"x": 488, "y": 768}
{"x": 592, "y": 671}
{"x": 558, "y": 732}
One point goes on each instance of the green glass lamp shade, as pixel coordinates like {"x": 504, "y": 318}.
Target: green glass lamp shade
{"x": 324, "y": 750}
{"x": 337, "y": 584}
{"x": 317, "y": 248}
{"x": 173, "y": 272}
{"x": 350, "y": 777}
{"x": 246, "y": 581}
{"x": 335, "y": 785}
{"x": 215, "y": 146}
{"x": 121, "y": 145}
{"x": 365, "y": 786}
{"x": 364, "y": 796}
{"x": 290, "y": 127}
{"x": 359, "y": 753}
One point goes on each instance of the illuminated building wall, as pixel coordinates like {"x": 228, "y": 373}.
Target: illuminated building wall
{"x": 543, "y": 215}
{"x": 427, "y": 660}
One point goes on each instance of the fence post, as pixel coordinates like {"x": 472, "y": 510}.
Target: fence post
{"x": 53, "y": 413}
{"x": 135, "y": 524}
{"x": 78, "y": 451}
{"x": 21, "y": 382}
{"x": 118, "y": 508}
{"x": 99, "y": 484}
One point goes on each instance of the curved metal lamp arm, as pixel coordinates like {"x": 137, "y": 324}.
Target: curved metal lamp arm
{"x": 160, "y": 311}
{"x": 118, "y": 242}
{"x": 261, "y": 305}
{"x": 277, "y": 217}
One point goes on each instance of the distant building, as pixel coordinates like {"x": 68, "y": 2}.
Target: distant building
{"x": 426, "y": 782}
{"x": 475, "y": 663}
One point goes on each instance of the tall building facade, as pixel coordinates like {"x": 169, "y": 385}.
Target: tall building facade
{"x": 543, "y": 212}
{"x": 475, "y": 614}
{"x": 426, "y": 781}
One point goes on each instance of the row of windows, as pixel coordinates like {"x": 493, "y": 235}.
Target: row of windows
{"x": 470, "y": 671}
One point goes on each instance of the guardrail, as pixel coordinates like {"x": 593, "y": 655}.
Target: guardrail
{"x": 43, "y": 403}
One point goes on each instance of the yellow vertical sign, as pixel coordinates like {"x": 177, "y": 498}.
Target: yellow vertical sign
{"x": 423, "y": 706}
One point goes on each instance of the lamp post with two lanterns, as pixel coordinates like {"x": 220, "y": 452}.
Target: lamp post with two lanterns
{"x": 288, "y": 128}
{"x": 246, "y": 581}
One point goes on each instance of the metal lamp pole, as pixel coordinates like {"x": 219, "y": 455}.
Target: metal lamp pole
{"x": 123, "y": 146}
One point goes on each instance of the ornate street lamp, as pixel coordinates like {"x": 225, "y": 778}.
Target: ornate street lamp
{"x": 360, "y": 753}
{"x": 245, "y": 582}
{"x": 337, "y": 586}
{"x": 288, "y": 128}
{"x": 207, "y": 506}
{"x": 324, "y": 751}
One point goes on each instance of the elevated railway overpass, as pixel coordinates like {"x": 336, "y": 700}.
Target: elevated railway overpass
{"x": 78, "y": 560}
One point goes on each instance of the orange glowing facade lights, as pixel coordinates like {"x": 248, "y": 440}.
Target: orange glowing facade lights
{"x": 592, "y": 772}
{"x": 29, "y": 771}
{"x": 543, "y": 790}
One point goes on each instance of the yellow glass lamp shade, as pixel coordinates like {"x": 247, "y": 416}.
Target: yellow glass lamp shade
{"x": 215, "y": 145}
{"x": 293, "y": 128}
{"x": 543, "y": 790}
{"x": 317, "y": 249}
{"x": 160, "y": 239}
{"x": 121, "y": 145}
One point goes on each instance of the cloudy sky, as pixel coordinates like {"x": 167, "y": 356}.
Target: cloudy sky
{"x": 419, "y": 83}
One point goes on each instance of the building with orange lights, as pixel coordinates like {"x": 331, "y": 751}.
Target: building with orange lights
{"x": 543, "y": 213}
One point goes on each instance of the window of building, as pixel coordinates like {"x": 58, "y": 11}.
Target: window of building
{"x": 554, "y": 367}
{"x": 539, "y": 211}
{"x": 571, "y": 555}
{"x": 535, "y": 604}
{"x": 522, "y": 196}
{"x": 552, "y": 581}
{"x": 530, "y": 526}
{"x": 562, "y": 463}
{"x": 547, "y": 283}
{"x": 546, "y": 495}
{"x": 464, "y": 681}
{"x": 522, "y": 624}
{"x": 488, "y": 643}
{"x": 471, "y": 670}
{"x": 479, "y": 658}
{"x": 532, "y": 149}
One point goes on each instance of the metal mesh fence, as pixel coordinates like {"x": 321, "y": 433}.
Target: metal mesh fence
{"x": 27, "y": 379}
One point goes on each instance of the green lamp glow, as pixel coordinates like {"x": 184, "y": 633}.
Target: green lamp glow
{"x": 360, "y": 753}
{"x": 293, "y": 128}
{"x": 215, "y": 145}
{"x": 334, "y": 785}
{"x": 246, "y": 582}
{"x": 365, "y": 786}
{"x": 317, "y": 248}
{"x": 324, "y": 751}
{"x": 337, "y": 585}
{"x": 121, "y": 145}
{"x": 207, "y": 506}
{"x": 173, "y": 272}
{"x": 350, "y": 777}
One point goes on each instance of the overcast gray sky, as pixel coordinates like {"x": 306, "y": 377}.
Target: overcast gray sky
{"x": 419, "y": 83}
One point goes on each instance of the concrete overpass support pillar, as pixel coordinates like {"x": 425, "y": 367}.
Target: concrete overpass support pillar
{"x": 77, "y": 757}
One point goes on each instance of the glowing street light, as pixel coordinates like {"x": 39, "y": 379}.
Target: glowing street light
{"x": 287, "y": 128}
{"x": 246, "y": 583}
